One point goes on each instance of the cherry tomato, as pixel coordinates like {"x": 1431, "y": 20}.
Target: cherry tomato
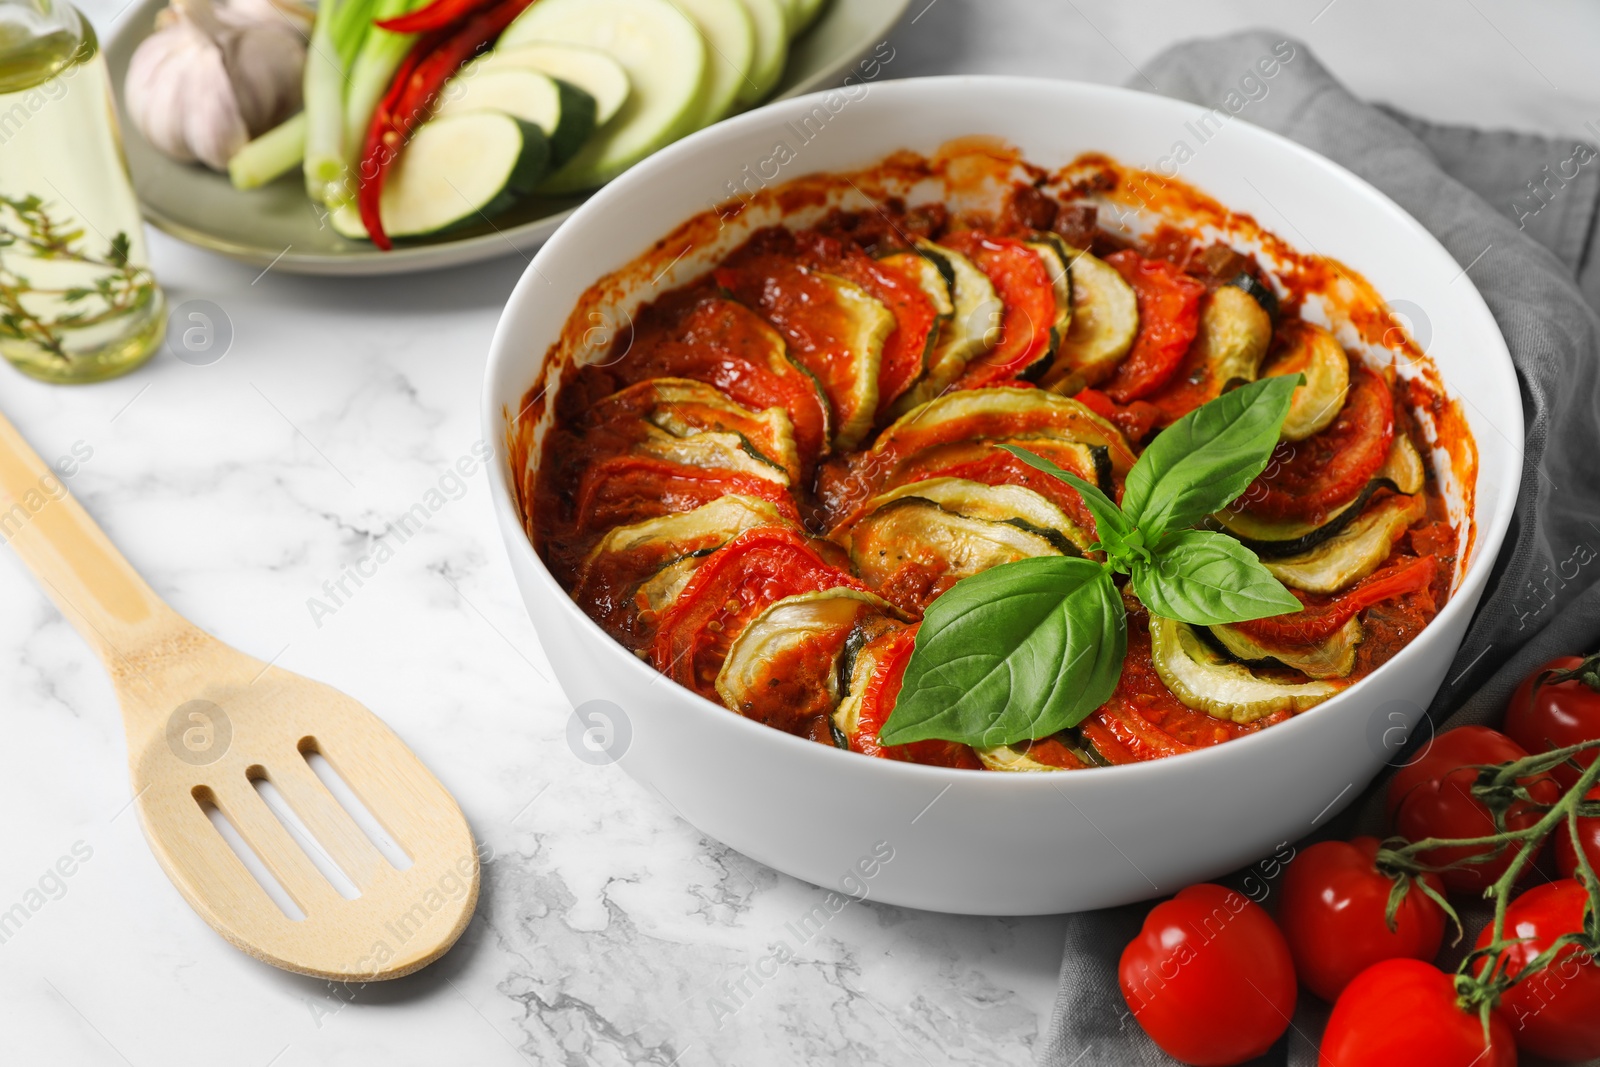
{"x": 1404, "y": 1013}
{"x": 1588, "y": 835}
{"x": 1332, "y": 914}
{"x": 1559, "y": 713}
{"x": 1169, "y": 317}
{"x": 1554, "y": 1012}
{"x": 1209, "y": 977}
{"x": 1431, "y": 796}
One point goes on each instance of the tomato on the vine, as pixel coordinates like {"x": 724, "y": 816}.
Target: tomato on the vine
{"x": 1554, "y": 1012}
{"x": 1556, "y": 706}
{"x": 1333, "y": 914}
{"x": 1588, "y": 836}
{"x": 1209, "y": 977}
{"x": 1407, "y": 1013}
{"x": 1431, "y": 796}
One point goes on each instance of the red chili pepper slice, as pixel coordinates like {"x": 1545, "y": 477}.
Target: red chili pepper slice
{"x": 1024, "y": 287}
{"x": 625, "y": 489}
{"x": 756, "y": 569}
{"x": 1307, "y": 479}
{"x": 883, "y": 689}
{"x": 435, "y": 16}
{"x": 1322, "y": 617}
{"x": 1169, "y": 317}
{"x": 913, "y": 312}
{"x": 409, "y": 101}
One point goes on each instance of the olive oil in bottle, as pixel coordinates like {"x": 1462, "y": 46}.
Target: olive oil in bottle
{"x": 77, "y": 300}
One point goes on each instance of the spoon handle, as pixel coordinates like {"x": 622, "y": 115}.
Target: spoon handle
{"x": 94, "y": 586}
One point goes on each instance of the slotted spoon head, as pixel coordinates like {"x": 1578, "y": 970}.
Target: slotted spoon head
{"x": 204, "y": 725}
{"x": 206, "y": 722}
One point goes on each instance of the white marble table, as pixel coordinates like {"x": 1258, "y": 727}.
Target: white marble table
{"x": 607, "y": 925}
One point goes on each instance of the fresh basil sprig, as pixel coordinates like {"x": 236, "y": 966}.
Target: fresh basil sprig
{"x": 1025, "y": 649}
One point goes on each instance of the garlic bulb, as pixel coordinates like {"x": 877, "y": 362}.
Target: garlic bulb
{"x": 212, "y": 77}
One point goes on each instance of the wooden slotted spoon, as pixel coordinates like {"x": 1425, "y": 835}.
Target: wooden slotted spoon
{"x": 205, "y": 722}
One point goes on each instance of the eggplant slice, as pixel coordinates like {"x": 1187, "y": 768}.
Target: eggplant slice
{"x": 1206, "y": 680}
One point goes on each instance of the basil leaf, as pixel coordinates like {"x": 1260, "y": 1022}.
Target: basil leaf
{"x": 1013, "y": 653}
{"x": 1110, "y": 525}
{"x": 1202, "y": 462}
{"x": 1204, "y": 578}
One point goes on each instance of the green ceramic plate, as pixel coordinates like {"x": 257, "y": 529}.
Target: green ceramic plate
{"x": 280, "y": 225}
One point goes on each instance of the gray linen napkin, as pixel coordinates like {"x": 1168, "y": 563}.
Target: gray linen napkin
{"x": 1530, "y": 251}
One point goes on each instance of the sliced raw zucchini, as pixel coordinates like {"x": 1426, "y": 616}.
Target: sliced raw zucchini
{"x": 660, "y": 48}
{"x": 1234, "y": 335}
{"x": 1355, "y": 551}
{"x": 1014, "y": 504}
{"x": 684, "y": 407}
{"x": 1306, "y": 348}
{"x": 771, "y": 39}
{"x": 973, "y": 414}
{"x": 1334, "y": 657}
{"x": 589, "y": 69}
{"x": 784, "y": 666}
{"x": 730, "y": 53}
{"x": 910, "y": 549}
{"x": 805, "y": 13}
{"x": 969, "y": 332}
{"x": 711, "y": 450}
{"x": 564, "y": 112}
{"x": 455, "y": 171}
{"x": 1403, "y": 466}
{"x": 1206, "y": 680}
{"x": 1276, "y": 538}
{"x": 1105, "y": 320}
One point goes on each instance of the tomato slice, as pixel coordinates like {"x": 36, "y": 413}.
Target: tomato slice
{"x": 726, "y": 345}
{"x": 1169, "y": 317}
{"x": 1024, "y": 287}
{"x": 1135, "y": 419}
{"x": 733, "y": 586}
{"x": 894, "y": 653}
{"x": 913, "y": 312}
{"x": 1305, "y": 480}
{"x": 625, "y": 489}
{"x": 1322, "y": 617}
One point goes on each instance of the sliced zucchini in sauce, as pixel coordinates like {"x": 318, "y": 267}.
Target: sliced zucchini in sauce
{"x": 784, "y": 667}
{"x": 1105, "y": 321}
{"x": 970, "y": 331}
{"x": 1306, "y": 348}
{"x": 1258, "y": 290}
{"x": 998, "y": 413}
{"x": 710, "y": 449}
{"x": 684, "y": 407}
{"x": 912, "y": 549}
{"x": 1206, "y": 680}
{"x": 1014, "y": 504}
{"x": 1403, "y": 465}
{"x": 1273, "y": 538}
{"x": 1333, "y": 657}
{"x": 1024, "y": 756}
{"x": 1353, "y": 552}
{"x": 629, "y": 557}
{"x": 1057, "y": 258}
{"x": 1233, "y": 337}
